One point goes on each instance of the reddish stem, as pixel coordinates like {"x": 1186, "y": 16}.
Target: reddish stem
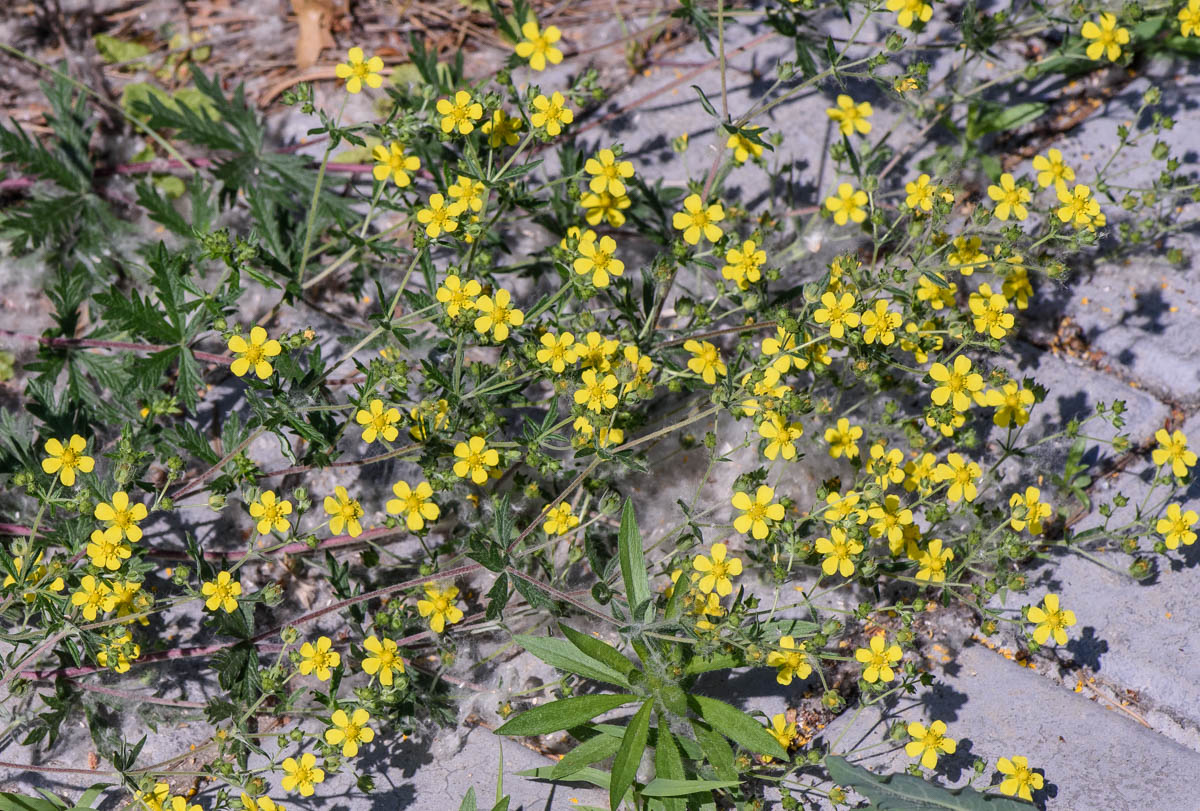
{"x": 92, "y": 342}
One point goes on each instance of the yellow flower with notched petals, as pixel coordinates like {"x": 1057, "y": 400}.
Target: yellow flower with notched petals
{"x": 121, "y": 517}
{"x": 1176, "y": 527}
{"x": 475, "y": 459}
{"x": 847, "y": 204}
{"x": 502, "y": 129}
{"x": 780, "y": 434}
{"x": 319, "y": 659}
{"x": 390, "y": 161}
{"x": 1018, "y": 778}
{"x": 1050, "y": 619}
{"x": 357, "y": 72}
{"x": 414, "y": 503}
{"x": 439, "y": 607}
{"x": 557, "y": 351}
{"x": 756, "y": 512}
{"x": 1010, "y": 198}
{"x": 962, "y": 476}
{"x": 460, "y": 114}
{"x": 878, "y": 657}
{"x": 349, "y": 730}
{"x": 538, "y": 45}
{"x": 597, "y": 257}
{"x": 253, "y": 354}
{"x": 271, "y": 513}
{"x": 302, "y": 775}
{"x": 698, "y": 220}
{"x": 1108, "y": 37}
{"x": 66, "y": 459}
{"x": 497, "y": 315}
{"x": 608, "y": 172}
{"x": 605, "y": 207}
{"x": 438, "y": 216}
{"x": 1051, "y": 169}
{"x": 383, "y": 659}
{"x": 378, "y": 422}
{"x": 838, "y": 550}
{"x": 559, "y": 520}
{"x": 790, "y": 661}
{"x": 222, "y": 593}
{"x": 344, "y": 513}
{"x": 851, "y": 117}
{"x": 551, "y": 113}
{"x": 910, "y": 11}
{"x": 106, "y": 552}
{"x": 929, "y": 742}
{"x": 457, "y": 295}
{"x": 716, "y": 569}
{"x": 1173, "y": 449}
{"x": 1189, "y": 19}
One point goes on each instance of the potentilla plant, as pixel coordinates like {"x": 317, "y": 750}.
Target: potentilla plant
{"x": 526, "y": 387}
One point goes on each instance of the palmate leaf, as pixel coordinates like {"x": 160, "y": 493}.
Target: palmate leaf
{"x": 904, "y": 792}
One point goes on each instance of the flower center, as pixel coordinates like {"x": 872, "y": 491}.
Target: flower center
{"x": 69, "y": 458}
{"x": 254, "y": 354}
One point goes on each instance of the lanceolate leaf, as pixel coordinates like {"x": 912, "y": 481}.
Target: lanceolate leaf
{"x": 599, "y": 650}
{"x": 633, "y": 563}
{"x": 662, "y": 787}
{"x": 562, "y": 654}
{"x": 629, "y": 756}
{"x": 668, "y": 767}
{"x": 736, "y": 725}
{"x": 590, "y": 751}
{"x": 903, "y": 792}
{"x": 566, "y": 712}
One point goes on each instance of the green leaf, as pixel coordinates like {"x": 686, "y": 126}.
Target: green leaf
{"x": 662, "y": 787}
{"x": 562, "y": 654}
{"x": 113, "y": 49}
{"x": 629, "y": 756}
{"x": 468, "y": 803}
{"x": 633, "y": 563}
{"x": 737, "y": 726}
{"x": 20, "y": 802}
{"x": 589, "y": 775}
{"x": 717, "y": 750}
{"x": 599, "y": 650}
{"x": 590, "y": 751}
{"x": 996, "y": 118}
{"x": 564, "y": 713}
{"x": 668, "y": 766}
{"x": 904, "y": 792}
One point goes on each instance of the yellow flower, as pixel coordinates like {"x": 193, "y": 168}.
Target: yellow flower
{"x": 782, "y": 731}
{"x": 438, "y": 217}
{"x": 344, "y": 513}
{"x": 121, "y": 517}
{"x": 1108, "y": 37}
{"x": 962, "y": 476}
{"x": 414, "y": 503}
{"x": 783, "y": 344}
{"x": 93, "y": 595}
{"x": 705, "y": 360}
{"x": 937, "y": 295}
{"x": 919, "y": 472}
{"x": 1189, "y": 19}
{"x": 906, "y": 84}
{"x": 851, "y": 117}
{"x": 597, "y": 258}
{"x": 886, "y": 465}
{"x": 929, "y": 743}
{"x": 847, "y": 204}
{"x": 460, "y": 114}
{"x": 377, "y": 422}
{"x": 838, "y": 313}
{"x": 456, "y": 295}
{"x": 698, "y": 220}
{"x": 474, "y": 459}
{"x": 538, "y": 46}
{"x": 319, "y": 659}
{"x": 931, "y": 562}
{"x": 66, "y": 459}
{"x": 559, "y": 520}
{"x": 557, "y": 351}
{"x": 117, "y": 652}
{"x": 1176, "y": 527}
{"x": 253, "y": 354}
{"x": 966, "y": 255}
{"x": 838, "y": 552}
{"x": 1077, "y": 205}
{"x": 497, "y": 315}
{"x": 716, "y": 569}
{"x": 155, "y": 799}
{"x": 843, "y": 439}
{"x": 1016, "y": 286}
{"x": 606, "y": 437}
{"x": 878, "y": 658}
{"x": 1018, "y": 778}
{"x": 502, "y": 129}
{"x": 178, "y": 803}
{"x": 1011, "y": 403}
{"x": 880, "y": 324}
{"x": 106, "y": 552}
{"x": 469, "y": 192}
{"x": 781, "y": 436}
{"x": 428, "y": 416}
{"x": 439, "y": 607}
{"x": 1173, "y": 448}
{"x": 349, "y": 731}
{"x": 606, "y": 207}
{"x": 1051, "y": 169}
{"x": 383, "y": 660}
{"x": 1028, "y": 510}
{"x": 743, "y": 148}
{"x": 956, "y": 386}
{"x": 909, "y": 11}
{"x": 844, "y": 508}
{"x": 891, "y": 520}
{"x": 129, "y": 599}
{"x": 258, "y": 804}
{"x": 551, "y": 114}
{"x": 390, "y": 161}
{"x": 743, "y": 265}
{"x": 1010, "y": 198}
{"x": 302, "y": 774}
{"x": 222, "y": 593}
{"x": 756, "y": 512}
{"x": 355, "y": 71}
{"x": 608, "y": 172}
{"x": 597, "y": 393}
{"x": 790, "y": 661}
{"x": 920, "y": 193}
{"x": 270, "y": 512}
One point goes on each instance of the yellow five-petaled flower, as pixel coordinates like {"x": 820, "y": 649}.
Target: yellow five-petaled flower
{"x": 253, "y": 354}
{"x": 358, "y": 72}
{"x": 716, "y": 569}
{"x": 66, "y": 459}
{"x": 538, "y": 45}
{"x": 698, "y": 220}
{"x": 349, "y": 730}
{"x": 439, "y": 607}
{"x": 222, "y": 593}
{"x": 414, "y": 503}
